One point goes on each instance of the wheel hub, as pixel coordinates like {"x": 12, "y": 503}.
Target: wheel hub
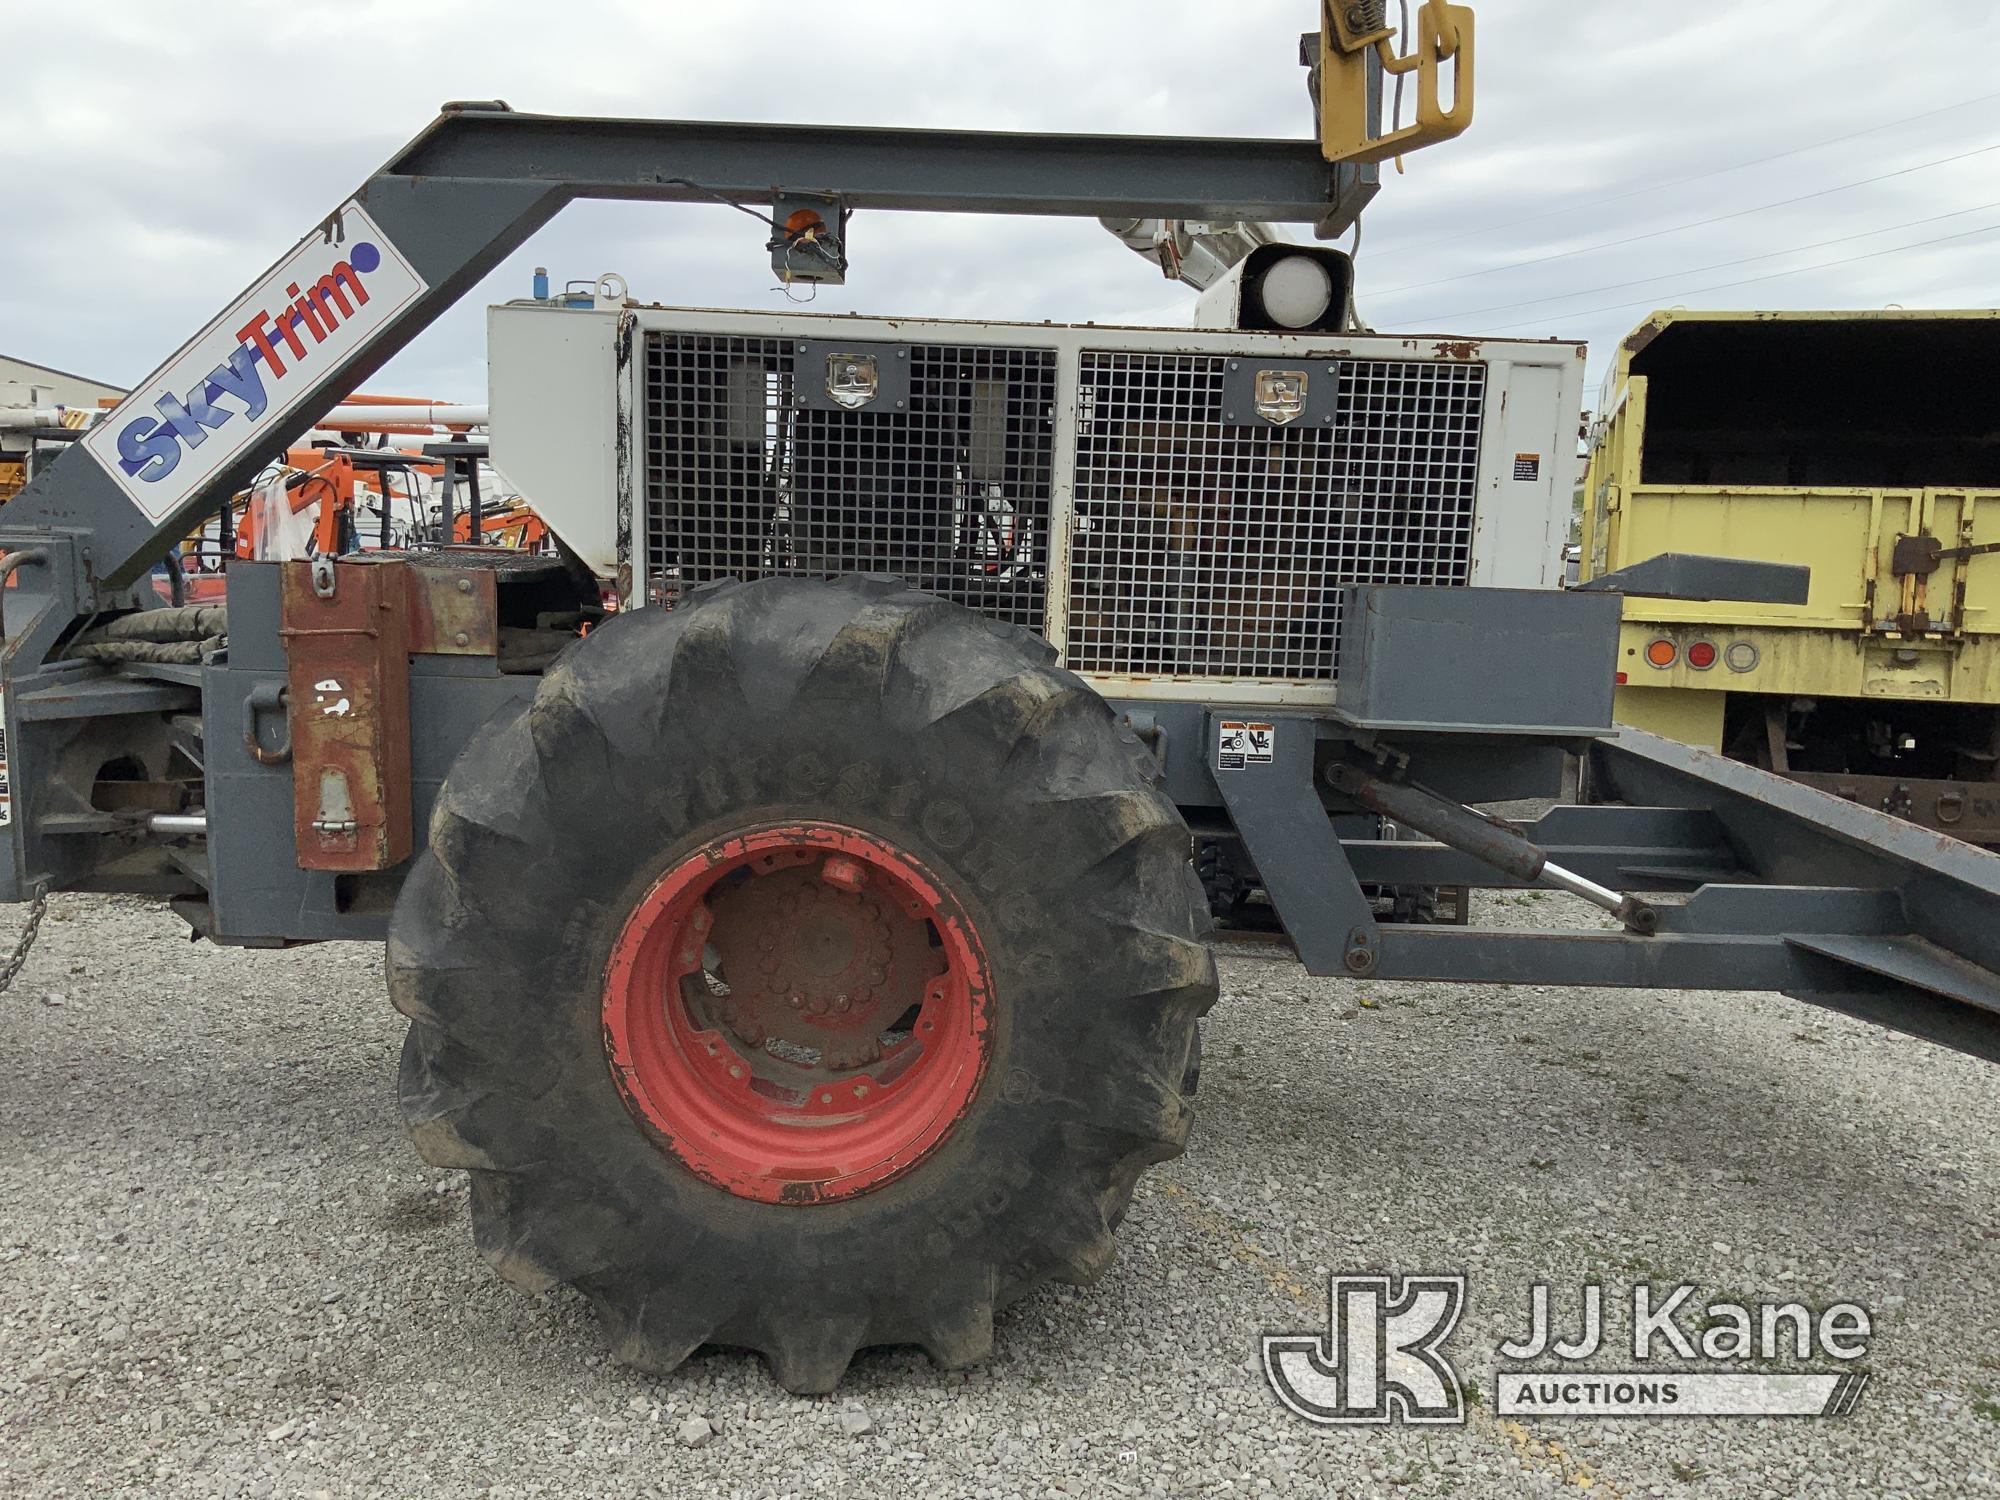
{"x": 798, "y": 1012}
{"x": 818, "y": 958}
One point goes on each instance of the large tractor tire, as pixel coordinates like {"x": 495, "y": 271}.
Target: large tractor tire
{"x": 809, "y": 967}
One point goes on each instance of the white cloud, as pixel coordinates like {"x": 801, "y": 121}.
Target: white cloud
{"x": 180, "y": 148}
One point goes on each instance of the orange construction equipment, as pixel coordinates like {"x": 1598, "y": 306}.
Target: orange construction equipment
{"x": 516, "y": 527}
{"x": 329, "y": 479}
{"x": 307, "y": 507}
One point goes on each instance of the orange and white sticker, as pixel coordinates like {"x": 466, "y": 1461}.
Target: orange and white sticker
{"x": 6, "y": 772}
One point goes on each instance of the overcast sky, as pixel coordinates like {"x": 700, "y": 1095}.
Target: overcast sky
{"x": 162, "y": 155}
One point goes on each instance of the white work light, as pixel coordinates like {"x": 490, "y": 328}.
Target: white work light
{"x": 1296, "y": 291}
{"x": 1280, "y": 288}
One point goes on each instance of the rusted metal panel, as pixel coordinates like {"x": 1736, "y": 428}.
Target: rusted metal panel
{"x": 453, "y": 611}
{"x": 347, "y": 648}
{"x": 1969, "y": 810}
{"x": 1918, "y": 554}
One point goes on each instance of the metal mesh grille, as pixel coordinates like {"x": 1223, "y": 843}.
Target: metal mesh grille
{"x": 951, "y": 493}
{"x": 1213, "y": 549}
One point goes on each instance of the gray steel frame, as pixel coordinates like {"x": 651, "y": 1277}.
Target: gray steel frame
{"x": 1791, "y": 890}
{"x": 1774, "y": 886}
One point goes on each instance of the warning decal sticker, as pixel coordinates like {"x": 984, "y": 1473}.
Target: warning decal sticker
{"x": 1232, "y": 745}
{"x": 1239, "y": 744}
{"x": 1528, "y": 466}
{"x": 6, "y": 775}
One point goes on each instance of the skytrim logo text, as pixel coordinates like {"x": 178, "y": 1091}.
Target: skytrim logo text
{"x": 149, "y": 449}
{"x": 225, "y": 390}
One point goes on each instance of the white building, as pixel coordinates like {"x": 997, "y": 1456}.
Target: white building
{"x": 24, "y": 383}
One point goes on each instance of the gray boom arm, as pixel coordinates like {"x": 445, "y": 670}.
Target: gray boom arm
{"x": 480, "y": 179}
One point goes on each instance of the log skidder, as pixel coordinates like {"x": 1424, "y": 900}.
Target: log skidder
{"x": 809, "y": 967}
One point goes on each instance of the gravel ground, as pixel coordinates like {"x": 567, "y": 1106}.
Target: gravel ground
{"x": 222, "y": 1271}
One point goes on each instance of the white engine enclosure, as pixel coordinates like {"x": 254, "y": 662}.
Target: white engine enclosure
{"x": 556, "y": 394}
{"x": 567, "y": 411}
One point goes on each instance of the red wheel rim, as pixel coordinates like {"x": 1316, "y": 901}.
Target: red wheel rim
{"x": 799, "y": 1013}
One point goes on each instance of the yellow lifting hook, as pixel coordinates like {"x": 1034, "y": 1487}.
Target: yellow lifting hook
{"x": 1349, "y": 31}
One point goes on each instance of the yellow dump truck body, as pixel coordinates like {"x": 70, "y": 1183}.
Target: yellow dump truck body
{"x": 1866, "y": 446}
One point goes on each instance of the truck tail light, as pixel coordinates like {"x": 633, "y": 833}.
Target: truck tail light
{"x": 1661, "y": 653}
{"x": 1701, "y": 655}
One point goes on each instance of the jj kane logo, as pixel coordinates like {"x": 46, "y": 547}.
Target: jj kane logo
{"x": 1381, "y": 1358}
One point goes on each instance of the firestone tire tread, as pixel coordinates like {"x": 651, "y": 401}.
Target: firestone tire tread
{"x": 789, "y": 701}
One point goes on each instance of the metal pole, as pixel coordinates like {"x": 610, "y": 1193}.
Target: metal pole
{"x": 177, "y": 825}
{"x": 475, "y": 508}
{"x": 347, "y": 418}
{"x": 444, "y": 503}
{"x": 1633, "y": 912}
